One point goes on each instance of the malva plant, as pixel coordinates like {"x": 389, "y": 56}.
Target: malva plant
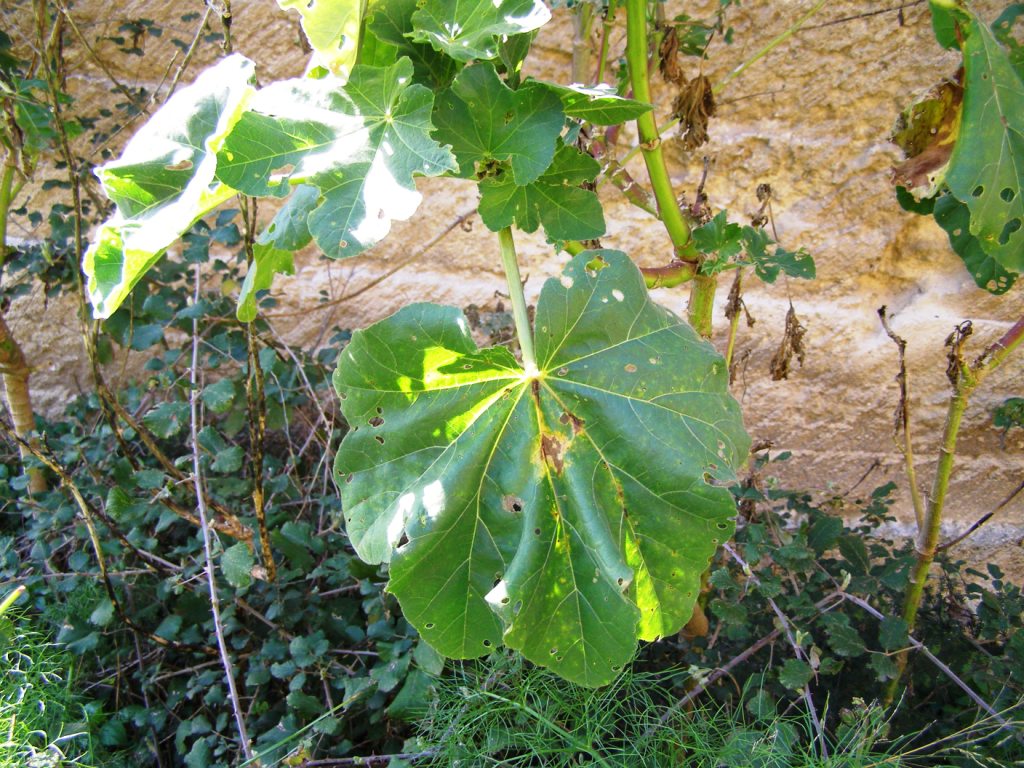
{"x": 564, "y": 502}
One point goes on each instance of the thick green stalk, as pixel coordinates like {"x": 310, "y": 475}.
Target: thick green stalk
{"x": 515, "y": 293}
{"x": 700, "y": 311}
{"x": 650, "y": 142}
{"x": 582, "y": 52}
{"x": 968, "y": 378}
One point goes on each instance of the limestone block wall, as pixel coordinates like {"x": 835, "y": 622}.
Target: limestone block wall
{"x": 811, "y": 119}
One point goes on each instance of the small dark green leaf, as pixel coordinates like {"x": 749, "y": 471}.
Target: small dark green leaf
{"x": 236, "y": 563}
{"x": 169, "y": 627}
{"x": 795, "y": 674}
{"x": 113, "y": 734}
{"x": 855, "y": 552}
{"x": 102, "y": 613}
{"x": 228, "y": 460}
{"x": 219, "y": 396}
{"x": 893, "y": 633}
{"x": 1009, "y": 414}
{"x": 427, "y": 659}
{"x": 768, "y": 263}
{"x": 883, "y": 666}
{"x": 824, "y": 533}
{"x": 413, "y": 700}
{"x": 167, "y": 419}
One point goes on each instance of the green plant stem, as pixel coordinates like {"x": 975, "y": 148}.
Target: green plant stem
{"x": 607, "y": 25}
{"x": 734, "y": 318}
{"x": 769, "y": 47}
{"x": 700, "y": 311}
{"x": 515, "y": 293}
{"x": 11, "y": 599}
{"x": 968, "y": 378}
{"x": 582, "y": 52}
{"x": 650, "y": 141}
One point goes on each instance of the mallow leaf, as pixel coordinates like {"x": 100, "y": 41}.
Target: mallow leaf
{"x": 986, "y": 170}
{"x": 164, "y": 180}
{"x": 390, "y": 22}
{"x": 471, "y": 29}
{"x": 567, "y": 512}
{"x": 597, "y": 104}
{"x": 486, "y": 122}
{"x": 955, "y": 218}
{"x": 556, "y": 199}
{"x": 360, "y": 145}
{"x": 332, "y": 29}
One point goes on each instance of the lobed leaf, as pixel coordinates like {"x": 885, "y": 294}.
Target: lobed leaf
{"x": 164, "y": 180}
{"x": 486, "y": 122}
{"x": 360, "y": 146}
{"x": 471, "y": 29}
{"x": 556, "y": 200}
{"x": 567, "y": 513}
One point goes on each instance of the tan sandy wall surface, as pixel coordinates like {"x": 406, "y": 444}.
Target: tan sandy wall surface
{"x": 811, "y": 119}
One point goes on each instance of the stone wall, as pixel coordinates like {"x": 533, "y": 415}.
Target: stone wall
{"x": 811, "y": 119}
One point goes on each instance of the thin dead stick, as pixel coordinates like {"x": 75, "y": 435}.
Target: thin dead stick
{"x": 824, "y": 605}
{"x": 797, "y": 650}
{"x": 983, "y": 519}
{"x": 461, "y": 219}
{"x": 207, "y": 537}
{"x": 940, "y": 664}
{"x": 902, "y": 419}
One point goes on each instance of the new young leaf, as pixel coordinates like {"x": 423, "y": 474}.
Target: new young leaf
{"x": 556, "y": 200}
{"x": 568, "y": 513}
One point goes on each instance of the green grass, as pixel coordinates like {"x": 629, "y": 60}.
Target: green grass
{"x": 505, "y": 713}
{"x": 41, "y": 722}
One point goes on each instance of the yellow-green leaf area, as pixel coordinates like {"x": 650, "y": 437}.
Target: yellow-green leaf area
{"x": 332, "y": 28}
{"x": 471, "y": 29}
{"x": 164, "y": 180}
{"x": 565, "y": 514}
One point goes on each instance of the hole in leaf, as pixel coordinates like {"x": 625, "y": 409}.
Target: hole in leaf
{"x": 723, "y": 526}
{"x": 343, "y": 396}
{"x": 504, "y": 601}
{"x": 630, "y": 368}
{"x": 348, "y": 479}
{"x": 429, "y": 625}
{"x": 379, "y": 409}
{"x": 1007, "y": 195}
{"x": 376, "y": 421}
{"x": 554, "y": 651}
{"x": 284, "y": 170}
{"x": 379, "y": 439}
{"x": 517, "y": 607}
{"x": 402, "y": 541}
{"x": 511, "y": 503}
{"x": 620, "y": 581}
{"x": 536, "y": 531}
{"x": 978, "y": 191}
{"x": 1011, "y": 226}
{"x": 487, "y": 643}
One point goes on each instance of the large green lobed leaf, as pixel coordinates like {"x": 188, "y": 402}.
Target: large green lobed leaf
{"x": 164, "y": 180}
{"x": 566, "y": 514}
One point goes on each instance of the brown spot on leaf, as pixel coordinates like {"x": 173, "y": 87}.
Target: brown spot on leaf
{"x": 569, "y": 418}
{"x": 552, "y": 450}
